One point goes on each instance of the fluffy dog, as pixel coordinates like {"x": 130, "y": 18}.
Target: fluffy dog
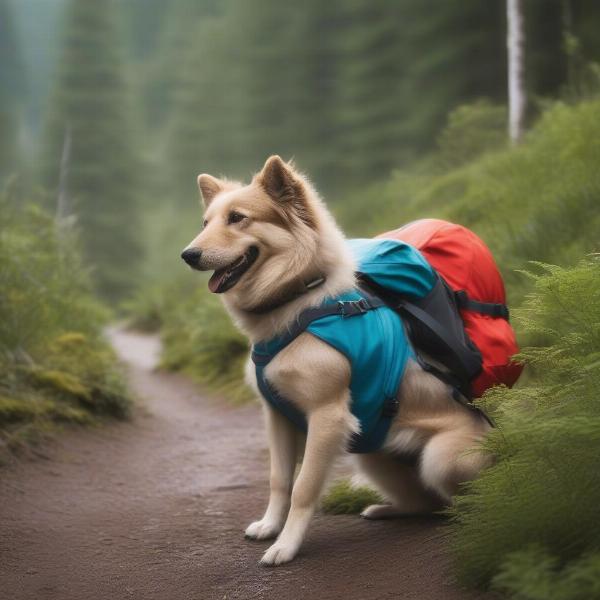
{"x": 265, "y": 241}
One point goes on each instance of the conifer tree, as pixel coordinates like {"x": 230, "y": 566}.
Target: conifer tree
{"x": 313, "y": 103}
{"x": 370, "y": 77}
{"x": 11, "y": 90}
{"x": 266, "y": 75}
{"x": 203, "y": 132}
{"x": 89, "y": 115}
{"x": 167, "y": 70}
{"x": 455, "y": 52}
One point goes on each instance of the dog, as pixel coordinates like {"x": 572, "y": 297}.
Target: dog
{"x": 265, "y": 241}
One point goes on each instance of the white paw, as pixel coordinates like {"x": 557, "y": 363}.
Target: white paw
{"x": 379, "y": 511}
{"x": 278, "y": 554}
{"x": 262, "y": 530}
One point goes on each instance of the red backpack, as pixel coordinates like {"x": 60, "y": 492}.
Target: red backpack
{"x": 468, "y": 268}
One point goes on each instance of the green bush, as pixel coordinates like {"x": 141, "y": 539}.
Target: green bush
{"x": 200, "y": 339}
{"x": 544, "y": 488}
{"x": 54, "y": 364}
{"x": 145, "y": 308}
{"x": 472, "y": 130}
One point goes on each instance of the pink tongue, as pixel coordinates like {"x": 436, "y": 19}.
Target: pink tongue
{"x": 215, "y": 281}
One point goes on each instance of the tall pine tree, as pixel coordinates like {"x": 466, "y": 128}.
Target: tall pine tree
{"x": 369, "y": 82}
{"x": 204, "y": 132}
{"x": 89, "y": 127}
{"x": 12, "y": 89}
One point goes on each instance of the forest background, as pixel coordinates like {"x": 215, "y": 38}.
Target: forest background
{"x": 397, "y": 110}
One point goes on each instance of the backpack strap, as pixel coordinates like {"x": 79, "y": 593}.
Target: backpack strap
{"x": 457, "y": 392}
{"x": 468, "y": 364}
{"x": 496, "y": 310}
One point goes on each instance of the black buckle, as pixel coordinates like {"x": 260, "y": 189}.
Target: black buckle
{"x": 351, "y": 308}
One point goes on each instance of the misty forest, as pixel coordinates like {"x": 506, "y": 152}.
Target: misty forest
{"x": 109, "y": 109}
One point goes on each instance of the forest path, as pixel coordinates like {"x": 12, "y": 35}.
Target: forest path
{"x": 155, "y": 508}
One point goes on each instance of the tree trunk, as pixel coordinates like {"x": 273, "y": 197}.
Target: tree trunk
{"x": 515, "y": 43}
{"x": 62, "y": 206}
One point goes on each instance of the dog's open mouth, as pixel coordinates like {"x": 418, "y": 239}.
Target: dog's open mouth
{"x": 224, "y": 279}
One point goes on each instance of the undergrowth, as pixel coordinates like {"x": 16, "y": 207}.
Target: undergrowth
{"x": 533, "y": 519}
{"x": 55, "y": 366}
{"x": 200, "y": 340}
{"x": 344, "y": 498}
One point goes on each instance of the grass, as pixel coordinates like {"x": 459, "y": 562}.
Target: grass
{"x": 199, "y": 339}
{"x": 343, "y": 498}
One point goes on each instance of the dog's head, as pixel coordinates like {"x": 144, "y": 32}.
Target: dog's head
{"x": 260, "y": 237}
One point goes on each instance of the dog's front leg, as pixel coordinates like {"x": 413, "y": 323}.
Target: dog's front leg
{"x": 328, "y": 430}
{"x": 282, "y": 449}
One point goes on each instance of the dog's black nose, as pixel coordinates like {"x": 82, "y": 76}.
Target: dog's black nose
{"x": 191, "y": 256}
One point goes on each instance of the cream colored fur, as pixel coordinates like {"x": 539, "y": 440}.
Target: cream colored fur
{"x": 298, "y": 240}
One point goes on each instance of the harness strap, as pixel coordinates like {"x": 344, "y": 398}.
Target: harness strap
{"x": 486, "y": 308}
{"x": 277, "y": 401}
{"x": 458, "y": 393}
{"x": 344, "y": 309}
{"x": 347, "y": 308}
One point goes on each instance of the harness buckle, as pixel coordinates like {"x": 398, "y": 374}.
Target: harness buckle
{"x": 350, "y": 308}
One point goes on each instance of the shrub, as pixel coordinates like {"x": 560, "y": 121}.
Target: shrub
{"x": 54, "y": 364}
{"x": 545, "y": 486}
{"x": 472, "y": 130}
{"x": 534, "y": 574}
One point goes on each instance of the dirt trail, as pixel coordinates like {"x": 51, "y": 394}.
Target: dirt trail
{"x": 149, "y": 510}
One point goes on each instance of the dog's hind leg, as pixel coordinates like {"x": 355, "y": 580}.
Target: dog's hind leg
{"x": 451, "y": 458}
{"x": 282, "y": 449}
{"x": 399, "y": 483}
{"x": 328, "y": 430}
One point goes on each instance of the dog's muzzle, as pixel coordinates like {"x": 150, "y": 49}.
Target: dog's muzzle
{"x": 192, "y": 257}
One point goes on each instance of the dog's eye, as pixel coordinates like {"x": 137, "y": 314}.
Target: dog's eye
{"x": 205, "y": 223}
{"x": 235, "y": 217}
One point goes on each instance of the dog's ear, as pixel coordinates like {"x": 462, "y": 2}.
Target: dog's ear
{"x": 283, "y": 185}
{"x": 209, "y": 187}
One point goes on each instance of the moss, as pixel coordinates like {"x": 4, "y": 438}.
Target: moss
{"x": 13, "y": 410}
{"x": 71, "y": 339}
{"x": 63, "y": 383}
{"x": 343, "y": 498}
{"x": 69, "y": 414}
{"x": 19, "y": 410}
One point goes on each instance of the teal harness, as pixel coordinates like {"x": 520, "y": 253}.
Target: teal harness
{"x": 367, "y": 332}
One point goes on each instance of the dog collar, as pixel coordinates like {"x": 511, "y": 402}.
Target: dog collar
{"x": 288, "y": 296}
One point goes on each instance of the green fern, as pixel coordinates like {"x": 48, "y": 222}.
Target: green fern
{"x": 545, "y": 485}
